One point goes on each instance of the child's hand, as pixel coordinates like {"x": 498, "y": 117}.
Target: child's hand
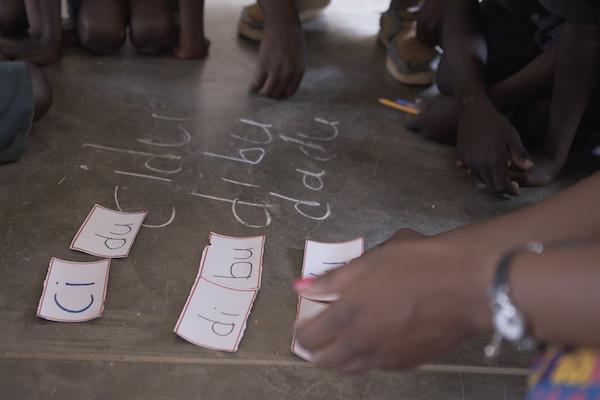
{"x": 281, "y": 61}
{"x": 488, "y": 145}
{"x": 35, "y": 50}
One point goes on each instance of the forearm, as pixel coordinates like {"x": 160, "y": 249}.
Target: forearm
{"x": 577, "y": 73}
{"x": 191, "y": 32}
{"x": 558, "y": 294}
{"x": 528, "y": 85}
{"x": 465, "y": 50}
{"x": 278, "y": 13}
{"x": 573, "y": 214}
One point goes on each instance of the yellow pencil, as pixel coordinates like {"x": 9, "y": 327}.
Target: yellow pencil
{"x": 399, "y": 107}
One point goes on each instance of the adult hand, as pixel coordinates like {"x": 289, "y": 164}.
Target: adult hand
{"x": 489, "y": 145}
{"x": 281, "y": 60}
{"x": 401, "y": 304}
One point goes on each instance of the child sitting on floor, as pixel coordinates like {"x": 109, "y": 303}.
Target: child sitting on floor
{"x": 514, "y": 72}
{"x": 157, "y": 26}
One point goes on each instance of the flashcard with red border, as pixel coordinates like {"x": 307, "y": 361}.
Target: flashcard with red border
{"x": 320, "y": 258}
{"x": 307, "y": 310}
{"x": 215, "y": 316}
{"x": 74, "y": 291}
{"x": 107, "y": 233}
{"x": 235, "y": 263}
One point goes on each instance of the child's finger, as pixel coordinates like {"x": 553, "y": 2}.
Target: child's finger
{"x": 283, "y": 81}
{"x": 520, "y": 177}
{"x": 502, "y": 183}
{"x": 270, "y": 85}
{"x": 294, "y": 85}
{"x": 259, "y": 80}
{"x": 334, "y": 282}
{"x": 485, "y": 177}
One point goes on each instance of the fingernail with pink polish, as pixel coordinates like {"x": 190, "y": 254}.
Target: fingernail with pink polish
{"x": 302, "y": 284}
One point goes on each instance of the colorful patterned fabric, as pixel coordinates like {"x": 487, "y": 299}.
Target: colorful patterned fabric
{"x": 566, "y": 375}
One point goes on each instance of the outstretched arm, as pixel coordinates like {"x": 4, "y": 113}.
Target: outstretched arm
{"x": 414, "y": 299}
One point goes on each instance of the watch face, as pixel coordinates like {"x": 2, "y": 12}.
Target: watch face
{"x": 509, "y": 323}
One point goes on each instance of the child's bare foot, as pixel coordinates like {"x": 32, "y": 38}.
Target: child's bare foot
{"x": 437, "y": 119}
{"x": 194, "y": 52}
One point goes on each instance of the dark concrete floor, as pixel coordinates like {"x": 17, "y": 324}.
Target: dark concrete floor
{"x": 380, "y": 178}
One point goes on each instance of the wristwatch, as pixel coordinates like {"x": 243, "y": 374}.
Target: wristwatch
{"x": 509, "y": 322}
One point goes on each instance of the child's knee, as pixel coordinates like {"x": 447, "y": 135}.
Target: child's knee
{"x": 156, "y": 35}
{"x": 42, "y": 92}
{"x": 102, "y": 37}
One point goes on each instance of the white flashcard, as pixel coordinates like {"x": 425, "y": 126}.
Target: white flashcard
{"x": 235, "y": 263}
{"x": 307, "y": 310}
{"x": 74, "y": 291}
{"x": 107, "y": 233}
{"x": 215, "y": 316}
{"x": 320, "y": 258}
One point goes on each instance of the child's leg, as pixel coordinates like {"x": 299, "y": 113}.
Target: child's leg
{"x": 42, "y": 92}
{"x": 101, "y": 25}
{"x": 152, "y": 25}
{"x": 13, "y": 17}
{"x": 192, "y": 41}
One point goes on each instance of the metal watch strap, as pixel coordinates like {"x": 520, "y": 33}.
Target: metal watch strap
{"x": 500, "y": 301}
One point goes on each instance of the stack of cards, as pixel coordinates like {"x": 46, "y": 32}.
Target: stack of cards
{"x": 75, "y": 291}
{"x": 320, "y": 258}
{"x": 226, "y": 286}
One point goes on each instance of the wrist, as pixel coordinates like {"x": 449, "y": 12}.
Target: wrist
{"x": 279, "y": 13}
{"x": 476, "y": 268}
{"x": 479, "y": 275}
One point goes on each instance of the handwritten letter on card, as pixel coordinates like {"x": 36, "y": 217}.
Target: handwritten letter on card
{"x": 320, "y": 258}
{"x": 74, "y": 291}
{"x": 235, "y": 263}
{"x": 220, "y": 302}
{"x": 107, "y": 233}
{"x": 215, "y": 316}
